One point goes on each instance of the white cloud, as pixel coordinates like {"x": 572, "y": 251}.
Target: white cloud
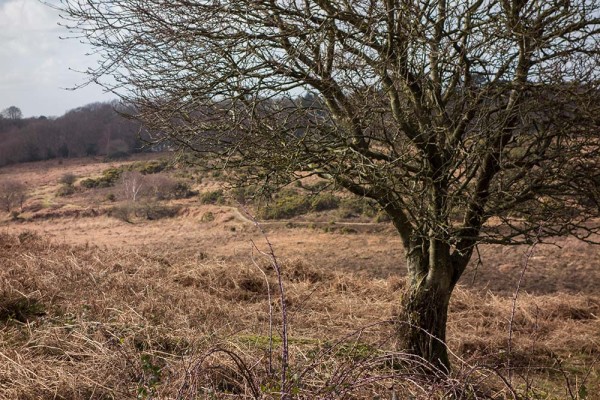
{"x": 34, "y": 62}
{"x": 27, "y": 14}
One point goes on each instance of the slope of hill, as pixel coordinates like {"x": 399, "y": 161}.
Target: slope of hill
{"x": 100, "y": 304}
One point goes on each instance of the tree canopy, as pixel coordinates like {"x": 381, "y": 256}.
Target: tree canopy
{"x": 94, "y": 129}
{"x": 12, "y": 112}
{"x": 472, "y": 121}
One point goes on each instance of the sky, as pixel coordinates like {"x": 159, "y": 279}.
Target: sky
{"x": 35, "y": 63}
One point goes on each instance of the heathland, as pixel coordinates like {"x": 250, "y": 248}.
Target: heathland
{"x": 147, "y": 278}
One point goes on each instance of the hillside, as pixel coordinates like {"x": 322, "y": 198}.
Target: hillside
{"x": 103, "y": 297}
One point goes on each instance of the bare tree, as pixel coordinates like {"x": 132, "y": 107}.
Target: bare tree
{"x": 12, "y": 112}
{"x": 132, "y": 183}
{"x": 12, "y": 194}
{"x": 471, "y": 121}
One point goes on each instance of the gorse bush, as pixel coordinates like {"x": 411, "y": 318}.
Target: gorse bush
{"x": 112, "y": 175}
{"x": 153, "y": 211}
{"x": 212, "y": 197}
{"x": 148, "y": 210}
{"x": 287, "y": 204}
{"x": 352, "y": 207}
{"x": 65, "y": 190}
{"x": 244, "y": 194}
{"x": 290, "y": 203}
{"x": 151, "y": 167}
{"x": 117, "y": 155}
{"x": 108, "y": 178}
{"x": 67, "y": 179}
{"x": 315, "y": 187}
{"x": 167, "y": 188}
{"x": 324, "y": 202}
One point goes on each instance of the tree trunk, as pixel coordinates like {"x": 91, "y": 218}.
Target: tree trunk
{"x": 424, "y": 311}
{"x": 422, "y": 324}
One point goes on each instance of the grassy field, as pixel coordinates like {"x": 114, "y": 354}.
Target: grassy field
{"x": 178, "y": 297}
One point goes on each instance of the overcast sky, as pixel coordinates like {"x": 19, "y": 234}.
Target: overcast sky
{"x": 34, "y": 62}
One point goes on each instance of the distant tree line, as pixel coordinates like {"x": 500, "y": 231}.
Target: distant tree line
{"x": 94, "y": 129}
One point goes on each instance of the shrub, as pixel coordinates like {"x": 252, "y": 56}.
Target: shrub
{"x": 88, "y": 183}
{"x": 12, "y": 194}
{"x": 382, "y": 217}
{"x": 108, "y": 178}
{"x": 347, "y": 230}
{"x": 149, "y": 210}
{"x": 324, "y": 202}
{"x": 212, "y": 197}
{"x": 316, "y": 187}
{"x": 122, "y": 212}
{"x": 117, "y": 155}
{"x": 154, "y": 211}
{"x": 165, "y": 188}
{"x": 182, "y": 190}
{"x": 67, "y": 179}
{"x": 243, "y": 194}
{"x": 111, "y": 175}
{"x": 65, "y": 190}
{"x": 151, "y": 167}
{"x": 357, "y": 206}
{"x": 287, "y": 204}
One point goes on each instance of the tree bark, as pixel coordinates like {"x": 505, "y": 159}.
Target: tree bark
{"x": 424, "y": 311}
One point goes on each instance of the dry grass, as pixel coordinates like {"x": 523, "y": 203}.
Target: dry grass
{"x": 122, "y": 324}
{"x": 92, "y": 307}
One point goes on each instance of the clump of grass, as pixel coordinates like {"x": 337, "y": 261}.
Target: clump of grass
{"x": 207, "y": 217}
